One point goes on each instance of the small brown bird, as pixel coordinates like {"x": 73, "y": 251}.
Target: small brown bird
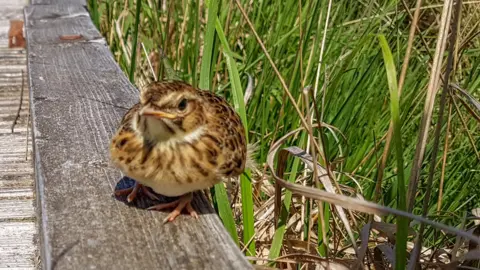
{"x": 177, "y": 140}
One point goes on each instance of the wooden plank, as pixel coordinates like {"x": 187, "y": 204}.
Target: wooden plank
{"x": 17, "y": 213}
{"x": 16, "y": 209}
{"x": 9, "y": 10}
{"x": 56, "y": 2}
{"x": 79, "y": 95}
{"x": 16, "y": 247}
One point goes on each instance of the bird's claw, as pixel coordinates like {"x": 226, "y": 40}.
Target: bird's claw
{"x": 183, "y": 203}
{"x": 133, "y": 191}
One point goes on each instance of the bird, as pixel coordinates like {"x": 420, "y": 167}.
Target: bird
{"x": 176, "y": 140}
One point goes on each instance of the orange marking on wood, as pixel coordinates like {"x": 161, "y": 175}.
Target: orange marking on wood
{"x": 15, "y": 34}
{"x": 70, "y": 37}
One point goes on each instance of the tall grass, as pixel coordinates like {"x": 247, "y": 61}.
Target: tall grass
{"x": 210, "y": 45}
{"x": 402, "y": 223}
{"x": 133, "y": 59}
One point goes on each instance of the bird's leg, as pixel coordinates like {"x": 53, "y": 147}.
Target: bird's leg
{"x": 184, "y": 202}
{"x": 133, "y": 191}
{"x": 150, "y": 194}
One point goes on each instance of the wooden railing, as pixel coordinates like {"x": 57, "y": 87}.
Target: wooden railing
{"x": 78, "y": 96}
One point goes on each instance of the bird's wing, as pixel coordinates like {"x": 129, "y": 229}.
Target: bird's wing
{"x": 226, "y": 126}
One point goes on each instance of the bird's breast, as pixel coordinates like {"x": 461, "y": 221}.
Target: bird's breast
{"x": 170, "y": 169}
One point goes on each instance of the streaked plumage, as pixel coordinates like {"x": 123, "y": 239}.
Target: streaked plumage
{"x": 177, "y": 140}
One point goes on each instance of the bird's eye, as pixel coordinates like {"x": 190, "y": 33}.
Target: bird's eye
{"x": 182, "y": 105}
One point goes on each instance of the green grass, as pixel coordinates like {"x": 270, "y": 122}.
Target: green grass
{"x": 238, "y": 101}
{"x": 133, "y": 59}
{"x": 402, "y": 223}
{"x": 212, "y": 47}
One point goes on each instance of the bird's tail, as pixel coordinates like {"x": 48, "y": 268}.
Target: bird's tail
{"x": 250, "y": 162}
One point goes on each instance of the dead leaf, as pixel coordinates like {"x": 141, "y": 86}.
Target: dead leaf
{"x": 380, "y": 253}
{"x": 337, "y": 199}
{"x": 476, "y": 213}
{"x": 364, "y": 234}
{"x": 472, "y": 255}
{"x": 469, "y": 97}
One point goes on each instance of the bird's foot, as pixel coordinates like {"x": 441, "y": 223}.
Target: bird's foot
{"x": 184, "y": 202}
{"x": 133, "y": 191}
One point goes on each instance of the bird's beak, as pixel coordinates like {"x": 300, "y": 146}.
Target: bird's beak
{"x": 158, "y": 114}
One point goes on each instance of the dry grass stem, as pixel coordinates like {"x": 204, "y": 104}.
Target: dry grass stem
{"x": 444, "y": 158}
{"x": 279, "y": 75}
{"x": 353, "y": 203}
{"x": 465, "y": 126}
{"x": 429, "y": 102}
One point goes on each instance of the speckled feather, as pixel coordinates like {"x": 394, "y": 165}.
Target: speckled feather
{"x": 211, "y": 147}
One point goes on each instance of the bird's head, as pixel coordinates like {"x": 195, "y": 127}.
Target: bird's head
{"x": 170, "y": 110}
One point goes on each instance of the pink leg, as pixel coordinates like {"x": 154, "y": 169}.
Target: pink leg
{"x": 132, "y": 192}
{"x": 150, "y": 194}
{"x": 184, "y": 202}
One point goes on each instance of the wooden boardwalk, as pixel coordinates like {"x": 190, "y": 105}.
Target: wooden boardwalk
{"x": 78, "y": 97}
{"x": 17, "y": 213}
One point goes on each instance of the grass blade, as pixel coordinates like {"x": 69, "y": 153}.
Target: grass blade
{"x": 245, "y": 184}
{"x": 322, "y": 247}
{"x": 224, "y": 211}
{"x": 402, "y": 222}
{"x": 429, "y": 104}
{"x": 219, "y": 193}
{"x": 133, "y": 61}
{"x": 277, "y": 241}
{"x": 95, "y": 13}
{"x": 207, "y": 59}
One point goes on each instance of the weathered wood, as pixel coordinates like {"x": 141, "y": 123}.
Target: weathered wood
{"x": 16, "y": 247}
{"x": 9, "y": 10}
{"x": 79, "y": 95}
{"x": 17, "y": 213}
{"x": 56, "y": 2}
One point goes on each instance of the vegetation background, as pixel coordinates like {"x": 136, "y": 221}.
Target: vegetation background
{"x": 353, "y": 66}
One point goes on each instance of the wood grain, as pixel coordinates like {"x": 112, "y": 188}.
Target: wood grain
{"x": 17, "y": 213}
{"x": 16, "y": 247}
{"x": 56, "y": 2}
{"x": 9, "y": 10}
{"x": 79, "y": 95}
